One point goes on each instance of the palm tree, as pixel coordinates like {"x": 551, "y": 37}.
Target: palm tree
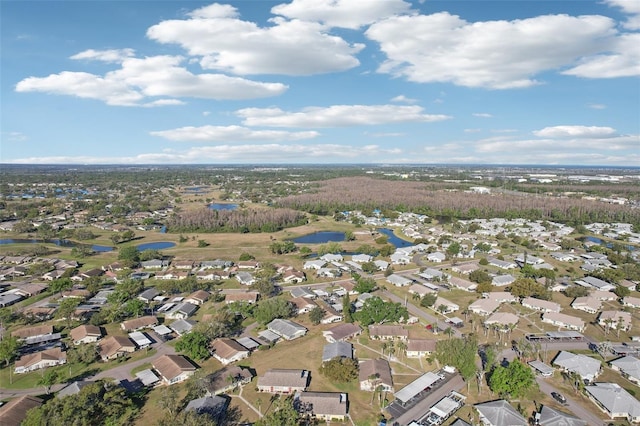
{"x": 385, "y": 346}
{"x": 402, "y": 347}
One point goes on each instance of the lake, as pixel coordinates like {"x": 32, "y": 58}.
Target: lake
{"x": 608, "y": 245}
{"x": 223, "y": 206}
{"x": 394, "y": 240}
{"x": 320, "y": 237}
{"x": 159, "y": 245}
{"x": 56, "y": 241}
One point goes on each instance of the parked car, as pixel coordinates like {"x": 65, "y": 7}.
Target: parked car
{"x": 559, "y": 397}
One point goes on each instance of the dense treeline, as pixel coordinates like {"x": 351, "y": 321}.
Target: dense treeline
{"x": 364, "y": 193}
{"x": 249, "y": 220}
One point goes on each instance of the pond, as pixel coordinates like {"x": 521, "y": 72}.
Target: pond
{"x": 159, "y": 245}
{"x": 606, "y": 244}
{"x": 320, "y": 237}
{"x": 393, "y": 239}
{"x": 56, "y": 241}
{"x": 223, "y": 206}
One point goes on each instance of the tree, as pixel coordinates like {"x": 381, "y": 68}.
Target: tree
{"x": 9, "y": 346}
{"x": 513, "y": 380}
{"x": 526, "y": 287}
{"x": 453, "y": 250}
{"x": 347, "y": 314}
{"x": 364, "y": 285}
{"x": 621, "y": 291}
{"x": 129, "y": 255}
{"x": 316, "y": 315}
{"x": 66, "y": 309}
{"x": 428, "y": 300}
{"x": 479, "y": 276}
{"x": 460, "y": 353}
{"x": 45, "y": 231}
{"x": 134, "y": 307}
{"x": 49, "y": 378}
{"x": 59, "y": 285}
{"x": 84, "y": 354}
{"x": 194, "y": 344}
{"x": 576, "y": 291}
{"x": 270, "y": 309}
{"x": 340, "y": 369}
{"x": 245, "y": 257}
{"x": 377, "y": 311}
{"x": 284, "y": 414}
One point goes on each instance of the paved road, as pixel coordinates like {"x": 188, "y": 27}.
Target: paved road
{"x": 574, "y": 406}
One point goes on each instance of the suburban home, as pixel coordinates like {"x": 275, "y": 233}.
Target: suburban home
{"x": 587, "y": 304}
{"x": 15, "y": 411}
{"x": 596, "y": 283}
{"x": 278, "y": 380}
{"x": 388, "y": 332}
{"x": 400, "y": 258}
{"x": 632, "y": 302}
{"x": 563, "y": 321}
{"x": 330, "y": 315}
{"x": 148, "y": 295}
{"x": 341, "y": 332}
{"x": 444, "y": 306}
{"x": 154, "y": 264}
{"x": 436, "y": 257}
{"x": 328, "y": 406}
{"x": 314, "y": 264}
{"x": 484, "y": 306}
{"x": 465, "y": 268}
{"x": 182, "y": 311}
{"x": 173, "y": 368}
{"x": 629, "y": 368}
{"x": 499, "y": 413}
{"x": 141, "y": 340}
{"x": 418, "y": 348}
{"x": 85, "y": 333}
{"x": 245, "y": 278}
{"x": 303, "y": 305}
{"x": 248, "y": 264}
{"x": 462, "y": 284}
{"x": 361, "y": 258}
{"x": 420, "y": 290}
{"x": 502, "y": 320}
{"x": 374, "y": 373}
{"x": 337, "y": 350}
{"x": 615, "y": 401}
{"x": 293, "y": 276}
{"x": 228, "y": 350}
{"x": 181, "y": 326}
{"x": 615, "y": 320}
{"x": 303, "y": 292}
{"x": 250, "y": 297}
{"x": 38, "y": 360}
{"x": 112, "y": 347}
{"x": 603, "y": 295}
{"x": 216, "y": 264}
{"x": 183, "y": 264}
{"x": 331, "y": 257}
{"x": 33, "y": 333}
{"x": 138, "y": 324}
{"x": 228, "y": 378}
{"x": 287, "y": 329}
{"x": 399, "y": 280}
{"x": 540, "y": 305}
{"x": 586, "y": 367}
{"x": 382, "y": 265}
{"x": 501, "y": 296}
{"x": 552, "y": 417}
{"x": 502, "y": 280}
{"x": 434, "y": 274}
{"x": 502, "y": 264}
{"x": 198, "y": 297}
{"x": 212, "y": 406}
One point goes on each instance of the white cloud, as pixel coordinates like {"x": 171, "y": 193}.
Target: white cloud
{"x": 341, "y": 13}
{"x": 385, "y": 134}
{"x": 262, "y": 153}
{"x": 472, "y": 130}
{"x": 337, "y": 116}
{"x": 597, "y": 106}
{"x": 112, "y": 55}
{"x": 551, "y": 145}
{"x": 403, "y": 99}
{"x": 482, "y": 115}
{"x": 14, "y": 136}
{"x": 206, "y": 113}
{"x": 631, "y": 7}
{"x": 229, "y": 44}
{"x": 575, "y": 132}
{"x": 230, "y": 134}
{"x": 622, "y": 61}
{"x": 156, "y": 76}
{"x": 492, "y": 54}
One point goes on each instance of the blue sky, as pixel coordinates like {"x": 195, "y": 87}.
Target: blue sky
{"x": 320, "y": 81}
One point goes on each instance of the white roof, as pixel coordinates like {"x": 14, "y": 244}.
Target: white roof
{"x": 140, "y": 338}
{"x": 615, "y": 399}
{"x": 417, "y": 386}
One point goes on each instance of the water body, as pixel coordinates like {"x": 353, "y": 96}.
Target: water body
{"x": 320, "y": 237}
{"x": 223, "y": 206}
{"x": 56, "y": 241}
{"x": 159, "y": 245}
{"x": 396, "y": 241}
{"x": 607, "y": 245}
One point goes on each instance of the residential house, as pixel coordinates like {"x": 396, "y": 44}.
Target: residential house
{"x": 15, "y": 411}
{"x": 248, "y": 264}
{"x": 499, "y": 413}
{"x": 399, "y": 280}
{"x": 148, "y": 295}
{"x": 502, "y": 280}
{"x": 436, "y": 257}
{"x": 388, "y": 332}
{"x": 615, "y": 320}
{"x": 540, "y": 305}
{"x": 629, "y": 367}
{"x": 361, "y": 258}
{"x": 419, "y": 348}
{"x": 182, "y": 326}
{"x": 228, "y": 350}
{"x": 112, "y": 347}
{"x": 563, "y": 321}
{"x": 250, "y": 297}
{"x": 374, "y": 373}
{"x": 42, "y": 359}
{"x": 183, "y": 264}
{"x": 586, "y": 367}
{"x": 314, "y": 264}
{"x": 632, "y": 302}
{"x": 212, "y": 406}
{"x": 420, "y": 290}
{"x": 85, "y": 333}
{"x": 287, "y": 329}
{"x": 181, "y": 311}
{"x": 277, "y": 380}
{"x": 341, "y": 332}
{"x": 502, "y": 264}
{"x": 33, "y": 333}
{"x": 400, "y": 258}
{"x": 198, "y": 297}
{"x": 484, "y": 306}
{"x": 551, "y": 417}
{"x": 502, "y": 297}
{"x": 596, "y": 283}
{"x": 245, "y": 278}
{"x": 337, "y": 350}
{"x": 140, "y": 323}
{"x": 603, "y": 295}
{"x": 615, "y": 401}
{"x": 503, "y": 320}
{"x": 587, "y": 304}
{"x": 327, "y": 406}
{"x": 154, "y": 264}
{"x": 330, "y": 315}
{"x": 465, "y": 268}
{"x": 462, "y": 284}
{"x": 293, "y": 276}
{"x": 173, "y": 368}
{"x": 303, "y": 292}
{"x": 141, "y": 340}
{"x": 227, "y": 379}
{"x": 303, "y": 305}
{"x": 444, "y": 306}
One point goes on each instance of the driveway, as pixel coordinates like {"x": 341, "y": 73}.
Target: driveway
{"x": 574, "y": 406}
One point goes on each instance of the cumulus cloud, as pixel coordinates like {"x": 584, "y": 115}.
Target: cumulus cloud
{"x": 482, "y": 115}
{"x": 622, "y": 60}
{"x": 341, "y": 13}
{"x": 229, "y": 44}
{"x": 631, "y": 7}
{"x": 403, "y": 99}
{"x": 337, "y": 116}
{"x": 575, "y": 132}
{"x": 493, "y": 54}
{"x": 230, "y": 134}
{"x": 156, "y": 76}
{"x": 110, "y": 56}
